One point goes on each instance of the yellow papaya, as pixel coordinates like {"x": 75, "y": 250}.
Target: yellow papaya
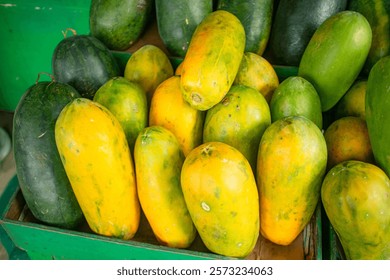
{"x": 212, "y": 59}
{"x": 170, "y": 110}
{"x": 291, "y": 164}
{"x": 148, "y": 66}
{"x": 97, "y": 160}
{"x": 221, "y": 195}
{"x": 356, "y": 199}
{"x": 159, "y": 187}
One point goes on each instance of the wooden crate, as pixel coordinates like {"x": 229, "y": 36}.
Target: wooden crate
{"x": 26, "y": 238}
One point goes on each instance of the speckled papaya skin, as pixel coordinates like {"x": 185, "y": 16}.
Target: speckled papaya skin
{"x": 212, "y": 59}
{"x": 356, "y": 199}
{"x": 221, "y": 195}
{"x": 291, "y": 164}
{"x": 158, "y": 160}
{"x": 96, "y": 157}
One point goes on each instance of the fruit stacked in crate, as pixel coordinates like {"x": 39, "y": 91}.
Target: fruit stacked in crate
{"x": 217, "y": 146}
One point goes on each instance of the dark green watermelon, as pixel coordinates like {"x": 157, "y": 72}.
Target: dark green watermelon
{"x": 42, "y": 178}
{"x": 85, "y": 63}
{"x": 117, "y": 23}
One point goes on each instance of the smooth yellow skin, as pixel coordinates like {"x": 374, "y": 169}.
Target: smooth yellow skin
{"x": 170, "y": 110}
{"x": 290, "y": 166}
{"x": 158, "y": 161}
{"x": 212, "y": 59}
{"x": 148, "y": 66}
{"x": 178, "y": 69}
{"x": 256, "y": 72}
{"x": 97, "y": 160}
{"x": 221, "y": 195}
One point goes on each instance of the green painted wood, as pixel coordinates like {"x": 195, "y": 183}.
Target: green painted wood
{"x": 30, "y": 31}
{"x": 42, "y": 243}
{"x": 27, "y": 240}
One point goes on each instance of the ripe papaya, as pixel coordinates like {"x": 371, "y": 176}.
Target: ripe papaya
{"x": 148, "y": 66}
{"x": 256, "y": 72}
{"x": 256, "y": 17}
{"x": 159, "y": 187}
{"x": 291, "y": 164}
{"x": 97, "y": 160}
{"x": 356, "y": 199}
{"x": 170, "y": 110}
{"x": 221, "y": 195}
{"x": 212, "y": 59}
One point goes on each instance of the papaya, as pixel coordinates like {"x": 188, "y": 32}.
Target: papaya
{"x": 95, "y": 154}
{"x": 255, "y": 71}
{"x": 377, "y": 13}
{"x": 221, "y": 195}
{"x": 346, "y": 139}
{"x": 159, "y": 187}
{"x": 353, "y": 102}
{"x": 239, "y": 120}
{"x": 291, "y": 164}
{"x": 170, "y": 110}
{"x": 335, "y": 55}
{"x": 296, "y": 96}
{"x": 378, "y": 113}
{"x": 148, "y": 66}
{"x": 127, "y": 102}
{"x": 356, "y": 199}
{"x": 212, "y": 59}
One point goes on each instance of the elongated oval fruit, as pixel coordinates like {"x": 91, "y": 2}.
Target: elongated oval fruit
{"x": 221, "y": 195}
{"x": 239, "y": 120}
{"x": 377, "y": 112}
{"x": 295, "y": 96}
{"x": 212, "y": 60}
{"x": 41, "y": 175}
{"x": 170, "y": 110}
{"x": 256, "y": 17}
{"x": 177, "y": 21}
{"x": 97, "y": 160}
{"x": 119, "y": 23}
{"x": 335, "y": 55}
{"x": 291, "y": 164}
{"x": 148, "y": 66}
{"x": 377, "y": 13}
{"x": 356, "y": 199}
{"x": 158, "y": 161}
{"x": 127, "y": 102}
{"x": 294, "y": 24}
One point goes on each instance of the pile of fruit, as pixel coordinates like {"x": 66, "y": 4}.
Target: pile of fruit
{"x": 219, "y": 146}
